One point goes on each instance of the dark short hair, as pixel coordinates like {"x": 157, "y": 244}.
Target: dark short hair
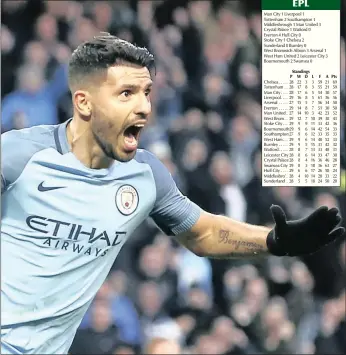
{"x": 103, "y": 51}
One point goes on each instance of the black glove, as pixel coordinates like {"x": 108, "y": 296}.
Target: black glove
{"x": 303, "y": 236}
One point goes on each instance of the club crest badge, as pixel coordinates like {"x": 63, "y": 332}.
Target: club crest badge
{"x": 126, "y": 199}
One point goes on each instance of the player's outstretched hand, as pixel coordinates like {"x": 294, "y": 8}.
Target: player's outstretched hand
{"x": 306, "y": 235}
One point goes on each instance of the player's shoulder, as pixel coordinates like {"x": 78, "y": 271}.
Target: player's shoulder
{"x": 38, "y": 136}
{"x": 146, "y": 157}
{"x": 19, "y": 146}
{"x": 159, "y": 170}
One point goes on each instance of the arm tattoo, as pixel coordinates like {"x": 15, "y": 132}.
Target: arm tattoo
{"x": 225, "y": 238}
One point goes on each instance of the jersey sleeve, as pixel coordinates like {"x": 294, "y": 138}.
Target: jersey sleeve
{"x": 173, "y": 212}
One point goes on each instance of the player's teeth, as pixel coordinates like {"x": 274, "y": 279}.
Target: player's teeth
{"x": 139, "y": 125}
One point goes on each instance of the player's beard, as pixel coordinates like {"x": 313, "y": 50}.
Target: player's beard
{"x": 108, "y": 137}
{"x": 100, "y": 130}
{"x": 106, "y": 148}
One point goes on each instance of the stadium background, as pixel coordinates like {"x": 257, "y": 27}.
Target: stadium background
{"x": 205, "y": 127}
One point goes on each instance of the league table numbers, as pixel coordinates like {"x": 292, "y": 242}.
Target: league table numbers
{"x": 300, "y": 93}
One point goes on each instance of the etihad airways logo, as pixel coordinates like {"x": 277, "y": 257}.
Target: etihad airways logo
{"x": 65, "y": 236}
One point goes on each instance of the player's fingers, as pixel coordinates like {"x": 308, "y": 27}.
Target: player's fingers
{"x": 333, "y": 211}
{"x": 278, "y": 214}
{"x": 333, "y": 214}
{"x": 325, "y": 225}
{"x": 333, "y": 221}
{"x": 335, "y": 234}
{"x": 338, "y": 219}
{"x": 318, "y": 214}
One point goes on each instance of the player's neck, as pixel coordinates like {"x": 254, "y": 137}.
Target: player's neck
{"x": 84, "y": 146}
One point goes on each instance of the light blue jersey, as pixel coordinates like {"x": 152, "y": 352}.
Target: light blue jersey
{"x": 63, "y": 225}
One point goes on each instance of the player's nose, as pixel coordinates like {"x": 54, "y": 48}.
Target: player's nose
{"x": 143, "y": 107}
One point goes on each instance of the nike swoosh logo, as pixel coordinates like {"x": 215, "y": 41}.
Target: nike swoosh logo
{"x": 42, "y": 188}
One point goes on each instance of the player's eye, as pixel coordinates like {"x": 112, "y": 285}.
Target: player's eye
{"x": 126, "y": 93}
{"x": 147, "y": 92}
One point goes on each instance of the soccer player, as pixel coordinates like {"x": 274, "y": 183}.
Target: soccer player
{"x": 72, "y": 194}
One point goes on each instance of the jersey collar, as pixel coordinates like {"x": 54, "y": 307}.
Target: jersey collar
{"x": 60, "y": 136}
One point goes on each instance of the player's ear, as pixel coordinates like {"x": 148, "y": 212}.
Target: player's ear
{"x": 82, "y": 103}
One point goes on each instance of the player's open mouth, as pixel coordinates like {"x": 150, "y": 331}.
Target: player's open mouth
{"x": 131, "y": 136}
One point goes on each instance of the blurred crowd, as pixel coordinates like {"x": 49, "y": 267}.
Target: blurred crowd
{"x": 206, "y": 129}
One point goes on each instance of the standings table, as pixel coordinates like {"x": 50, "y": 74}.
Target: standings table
{"x": 300, "y": 93}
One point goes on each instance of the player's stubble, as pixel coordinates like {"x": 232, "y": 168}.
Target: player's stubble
{"x": 108, "y": 135}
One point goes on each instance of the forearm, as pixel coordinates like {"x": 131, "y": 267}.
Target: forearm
{"x": 221, "y": 237}
{"x": 224, "y": 238}
{"x": 231, "y": 238}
